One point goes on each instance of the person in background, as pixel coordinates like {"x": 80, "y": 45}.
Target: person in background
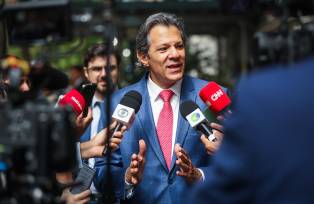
{"x": 77, "y": 77}
{"x": 96, "y": 59}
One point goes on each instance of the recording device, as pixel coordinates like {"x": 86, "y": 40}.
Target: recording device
{"x": 125, "y": 111}
{"x": 84, "y": 179}
{"x": 215, "y": 97}
{"x": 193, "y": 114}
{"x": 88, "y": 91}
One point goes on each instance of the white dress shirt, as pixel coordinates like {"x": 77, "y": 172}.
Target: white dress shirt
{"x": 157, "y": 104}
{"x": 94, "y": 126}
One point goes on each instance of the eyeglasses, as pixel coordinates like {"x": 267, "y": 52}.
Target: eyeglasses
{"x": 98, "y": 69}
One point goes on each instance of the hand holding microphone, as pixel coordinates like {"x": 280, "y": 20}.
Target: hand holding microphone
{"x": 212, "y": 147}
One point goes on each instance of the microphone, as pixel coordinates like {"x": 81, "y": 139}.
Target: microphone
{"x": 215, "y": 97}
{"x": 193, "y": 114}
{"x": 79, "y": 99}
{"x": 125, "y": 111}
{"x": 75, "y": 99}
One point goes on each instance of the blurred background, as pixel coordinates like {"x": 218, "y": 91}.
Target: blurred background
{"x": 219, "y": 46}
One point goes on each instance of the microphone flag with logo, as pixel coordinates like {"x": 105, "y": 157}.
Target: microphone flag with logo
{"x": 125, "y": 111}
{"x": 215, "y": 97}
{"x": 75, "y": 99}
{"x": 193, "y": 114}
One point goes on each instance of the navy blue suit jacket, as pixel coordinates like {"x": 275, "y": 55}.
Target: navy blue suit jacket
{"x": 158, "y": 185}
{"x": 267, "y": 152}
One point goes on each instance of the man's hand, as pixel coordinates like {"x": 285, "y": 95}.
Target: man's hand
{"x": 186, "y": 168}
{"x": 96, "y": 146}
{"x": 134, "y": 173}
{"x": 80, "y": 198}
{"x": 212, "y": 147}
{"x": 82, "y": 123}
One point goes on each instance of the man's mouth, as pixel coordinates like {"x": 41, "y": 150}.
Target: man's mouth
{"x": 175, "y": 67}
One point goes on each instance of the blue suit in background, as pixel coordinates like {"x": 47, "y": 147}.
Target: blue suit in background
{"x": 110, "y": 166}
{"x": 158, "y": 185}
{"x": 267, "y": 152}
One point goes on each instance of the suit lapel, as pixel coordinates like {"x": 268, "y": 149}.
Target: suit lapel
{"x": 146, "y": 120}
{"x": 187, "y": 93}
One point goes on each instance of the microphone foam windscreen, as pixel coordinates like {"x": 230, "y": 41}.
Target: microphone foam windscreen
{"x": 132, "y": 99}
{"x": 187, "y": 107}
{"x": 215, "y": 97}
{"x": 75, "y": 100}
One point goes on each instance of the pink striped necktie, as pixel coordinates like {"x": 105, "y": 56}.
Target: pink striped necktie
{"x": 164, "y": 126}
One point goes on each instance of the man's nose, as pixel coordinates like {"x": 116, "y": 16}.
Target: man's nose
{"x": 174, "y": 53}
{"x": 103, "y": 71}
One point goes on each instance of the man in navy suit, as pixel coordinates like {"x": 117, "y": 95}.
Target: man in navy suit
{"x": 156, "y": 168}
{"x": 267, "y": 152}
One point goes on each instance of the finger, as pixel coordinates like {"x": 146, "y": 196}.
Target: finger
{"x": 183, "y": 174}
{"x": 177, "y": 149}
{"x": 84, "y": 201}
{"x": 221, "y": 118}
{"x": 142, "y": 147}
{"x": 113, "y": 146}
{"x": 134, "y": 180}
{"x": 117, "y": 135}
{"x": 89, "y": 114}
{"x": 183, "y": 154}
{"x": 116, "y": 141}
{"x": 184, "y": 167}
{"x": 134, "y": 171}
{"x": 204, "y": 140}
{"x": 183, "y": 157}
{"x": 83, "y": 194}
{"x": 216, "y": 126}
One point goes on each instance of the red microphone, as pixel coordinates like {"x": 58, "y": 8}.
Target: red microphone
{"x": 215, "y": 97}
{"x": 75, "y": 99}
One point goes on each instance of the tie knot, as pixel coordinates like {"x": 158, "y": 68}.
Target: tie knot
{"x": 166, "y": 95}
{"x": 97, "y": 103}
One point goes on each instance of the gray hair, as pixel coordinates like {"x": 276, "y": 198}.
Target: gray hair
{"x": 142, "y": 38}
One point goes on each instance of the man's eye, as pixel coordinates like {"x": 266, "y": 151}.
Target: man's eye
{"x": 112, "y": 67}
{"x": 162, "y": 49}
{"x": 97, "y": 69}
{"x": 180, "y": 46}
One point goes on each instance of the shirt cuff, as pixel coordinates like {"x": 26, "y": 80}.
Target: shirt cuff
{"x": 129, "y": 189}
{"x": 203, "y": 175}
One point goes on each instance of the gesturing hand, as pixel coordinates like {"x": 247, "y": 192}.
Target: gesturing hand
{"x": 134, "y": 172}
{"x": 186, "y": 168}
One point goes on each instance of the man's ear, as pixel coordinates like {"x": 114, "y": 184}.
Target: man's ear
{"x": 143, "y": 59}
{"x": 85, "y": 72}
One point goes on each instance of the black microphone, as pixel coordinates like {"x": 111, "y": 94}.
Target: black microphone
{"x": 125, "y": 111}
{"x": 193, "y": 114}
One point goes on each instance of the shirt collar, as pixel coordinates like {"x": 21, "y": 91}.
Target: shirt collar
{"x": 155, "y": 90}
{"x": 95, "y": 99}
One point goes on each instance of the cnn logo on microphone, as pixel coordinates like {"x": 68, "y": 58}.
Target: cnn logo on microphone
{"x": 216, "y": 95}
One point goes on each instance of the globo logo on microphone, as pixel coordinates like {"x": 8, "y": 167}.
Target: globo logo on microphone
{"x": 123, "y": 114}
{"x": 195, "y": 117}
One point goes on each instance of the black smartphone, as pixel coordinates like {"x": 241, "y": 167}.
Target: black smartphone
{"x": 88, "y": 91}
{"x": 84, "y": 179}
